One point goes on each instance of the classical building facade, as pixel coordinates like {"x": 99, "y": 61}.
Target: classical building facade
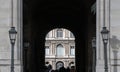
{"x": 60, "y": 48}
{"x": 28, "y": 30}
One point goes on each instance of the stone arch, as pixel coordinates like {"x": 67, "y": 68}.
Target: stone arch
{"x": 59, "y": 64}
{"x": 72, "y": 63}
{"x": 76, "y": 18}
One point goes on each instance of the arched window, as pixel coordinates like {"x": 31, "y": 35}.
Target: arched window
{"x": 59, "y": 65}
{"x": 60, "y": 50}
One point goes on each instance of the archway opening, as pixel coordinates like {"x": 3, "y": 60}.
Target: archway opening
{"x": 60, "y": 48}
{"x": 41, "y": 17}
{"x": 59, "y": 64}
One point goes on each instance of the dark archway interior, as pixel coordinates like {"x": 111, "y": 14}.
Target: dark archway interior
{"x": 41, "y": 16}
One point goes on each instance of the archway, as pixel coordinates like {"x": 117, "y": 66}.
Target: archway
{"x": 59, "y": 64}
{"x": 59, "y": 46}
{"x": 41, "y": 16}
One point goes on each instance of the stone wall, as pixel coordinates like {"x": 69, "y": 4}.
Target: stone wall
{"x": 5, "y": 47}
{"x": 112, "y": 16}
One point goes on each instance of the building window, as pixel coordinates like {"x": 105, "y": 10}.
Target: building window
{"x": 71, "y": 35}
{"x": 60, "y": 50}
{"x": 47, "y": 50}
{"x": 59, "y": 33}
{"x": 72, "y": 50}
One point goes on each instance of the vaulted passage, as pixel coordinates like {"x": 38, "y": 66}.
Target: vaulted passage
{"x": 41, "y": 16}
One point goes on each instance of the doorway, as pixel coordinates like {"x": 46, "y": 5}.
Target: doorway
{"x": 59, "y": 64}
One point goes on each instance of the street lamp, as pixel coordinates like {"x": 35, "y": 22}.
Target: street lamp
{"x": 12, "y": 36}
{"x": 94, "y": 53}
{"x": 25, "y": 52}
{"x": 105, "y": 37}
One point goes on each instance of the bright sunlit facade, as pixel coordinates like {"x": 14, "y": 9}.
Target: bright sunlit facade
{"x": 60, "y": 48}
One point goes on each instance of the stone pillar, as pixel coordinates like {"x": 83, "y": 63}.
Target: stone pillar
{"x": 5, "y": 24}
{"x": 115, "y": 60}
{"x": 54, "y": 64}
{"x": 99, "y": 42}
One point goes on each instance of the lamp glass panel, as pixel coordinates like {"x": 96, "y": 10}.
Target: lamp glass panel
{"x": 12, "y": 36}
{"x": 105, "y": 36}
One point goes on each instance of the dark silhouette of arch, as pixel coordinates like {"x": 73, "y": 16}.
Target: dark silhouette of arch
{"x": 41, "y": 16}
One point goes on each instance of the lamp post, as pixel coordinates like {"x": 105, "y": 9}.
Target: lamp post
{"x": 26, "y": 46}
{"x": 105, "y": 36}
{"x": 94, "y": 53}
{"x": 12, "y": 36}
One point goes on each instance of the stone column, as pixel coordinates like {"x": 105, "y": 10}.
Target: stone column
{"x": 115, "y": 60}
{"x": 54, "y": 64}
{"x": 99, "y": 42}
{"x": 115, "y": 44}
